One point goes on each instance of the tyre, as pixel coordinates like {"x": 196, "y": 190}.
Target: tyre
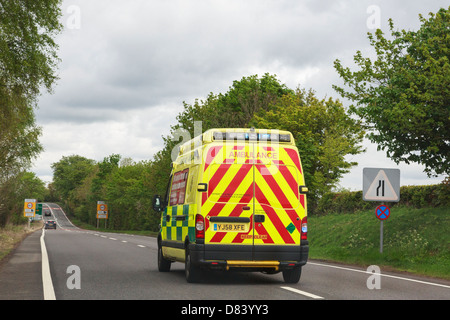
{"x": 292, "y": 275}
{"x": 163, "y": 263}
{"x": 192, "y": 272}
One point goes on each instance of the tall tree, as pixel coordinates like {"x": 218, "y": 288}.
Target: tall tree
{"x": 28, "y": 61}
{"x": 404, "y": 95}
{"x": 69, "y": 173}
{"x": 323, "y": 130}
{"x": 236, "y": 107}
{"x": 324, "y": 134}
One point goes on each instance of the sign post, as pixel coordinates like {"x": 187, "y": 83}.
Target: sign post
{"x": 382, "y": 212}
{"x": 381, "y": 184}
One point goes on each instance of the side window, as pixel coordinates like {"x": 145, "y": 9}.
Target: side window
{"x": 178, "y": 189}
{"x": 166, "y": 196}
{"x": 191, "y": 189}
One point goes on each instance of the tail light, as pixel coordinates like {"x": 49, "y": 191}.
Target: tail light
{"x": 199, "y": 227}
{"x": 304, "y": 233}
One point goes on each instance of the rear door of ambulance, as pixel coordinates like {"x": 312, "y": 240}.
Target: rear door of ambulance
{"x": 278, "y": 208}
{"x": 252, "y": 199}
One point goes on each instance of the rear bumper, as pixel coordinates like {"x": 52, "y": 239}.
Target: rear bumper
{"x": 251, "y": 258}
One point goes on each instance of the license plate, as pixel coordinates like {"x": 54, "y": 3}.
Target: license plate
{"x": 231, "y": 227}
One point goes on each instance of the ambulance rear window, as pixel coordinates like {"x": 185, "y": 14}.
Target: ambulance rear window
{"x": 178, "y": 189}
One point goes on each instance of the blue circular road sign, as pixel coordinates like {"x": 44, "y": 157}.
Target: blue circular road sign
{"x": 382, "y": 212}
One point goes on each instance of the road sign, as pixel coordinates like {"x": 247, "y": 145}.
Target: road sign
{"x": 102, "y": 210}
{"x": 380, "y": 184}
{"x": 29, "y": 208}
{"x": 382, "y": 212}
{"x": 39, "y": 209}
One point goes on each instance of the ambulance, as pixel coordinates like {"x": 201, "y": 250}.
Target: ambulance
{"x": 235, "y": 201}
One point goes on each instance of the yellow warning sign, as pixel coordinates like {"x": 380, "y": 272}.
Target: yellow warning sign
{"x": 29, "y": 208}
{"x": 102, "y": 210}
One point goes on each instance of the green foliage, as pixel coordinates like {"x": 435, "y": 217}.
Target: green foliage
{"x": 415, "y": 240}
{"x": 410, "y": 196}
{"x": 323, "y": 131}
{"x": 24, "y": 185}
{"x": 69, "y": 173}
{"x": 236, "y": 107}
{"x": 28, "y": 62}
{"x": 404, "y": 94}
{"x": 28, "y": 56}
{"x": 324, "y": 135}
{"x": 127, "y": 187}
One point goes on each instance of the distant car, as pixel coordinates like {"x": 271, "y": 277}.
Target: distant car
{"x": 47, "y": 212}
{"x": 50, "y": 224}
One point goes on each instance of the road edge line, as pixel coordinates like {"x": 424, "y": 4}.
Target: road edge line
{"x": 384, "y": 275}
{"x": 49, "y": 292}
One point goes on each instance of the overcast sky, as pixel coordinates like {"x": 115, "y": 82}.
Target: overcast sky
{"x": 128, "y": 65}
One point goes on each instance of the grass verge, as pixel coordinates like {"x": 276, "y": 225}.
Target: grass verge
{"x": 12, "y": 235}
{"x": 415, "y": 240}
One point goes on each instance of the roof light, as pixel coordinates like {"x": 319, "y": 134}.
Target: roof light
{"x": 251, "y": 136}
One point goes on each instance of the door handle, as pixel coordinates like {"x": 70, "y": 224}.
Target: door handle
{"x": 260, "y": 218}
{"x": 245, "y": 208}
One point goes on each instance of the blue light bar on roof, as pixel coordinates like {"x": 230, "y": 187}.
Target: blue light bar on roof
{"x": 252, "y": 136}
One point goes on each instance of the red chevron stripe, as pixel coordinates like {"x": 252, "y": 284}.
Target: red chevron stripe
{"x": 287, "y": 175}
{"x": 272, "y": 215}
{"x": 279, "y": 194}
{"x": 262, "y": 231}
{"x": 273, "y": 185}
{"x": 236, "y": 212}
{"x": 294, "y": 157}
{"x": 218, "y": 175}
{"x": 246, "y": 198}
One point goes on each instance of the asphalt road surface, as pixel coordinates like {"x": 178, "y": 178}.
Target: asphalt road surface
{"x": 74, "y": 264}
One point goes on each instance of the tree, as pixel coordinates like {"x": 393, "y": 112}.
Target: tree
{"x": 236, "y": 107}
{"x": 404, "y": 95}
{"x": 323, "y": 130}
{"x": 28, "y": 62}
{"x": 69, "y": 173}
{"x": 324, "y": 134}
{"x": 28, "y": 56}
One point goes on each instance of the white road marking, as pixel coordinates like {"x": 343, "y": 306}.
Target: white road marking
{"x": 49, "y": 292}
{"x": 140, "y": 245}
{"x": 304, "y": 293}
{"x": 112, "y": 238}
{"x": 383, "y": 275}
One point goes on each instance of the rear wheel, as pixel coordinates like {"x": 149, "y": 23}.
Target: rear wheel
{"x": 163, "y": 263}
{"x": 192, "y": 271}
{"x": 292, "y": 275}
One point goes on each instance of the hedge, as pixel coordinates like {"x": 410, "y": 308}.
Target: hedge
{"x": 412, "y": 196}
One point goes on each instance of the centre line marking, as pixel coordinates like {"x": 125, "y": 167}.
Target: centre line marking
{"x": 310, "y": 295}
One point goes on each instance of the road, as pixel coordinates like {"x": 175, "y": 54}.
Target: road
{"x": 92, "y": 265}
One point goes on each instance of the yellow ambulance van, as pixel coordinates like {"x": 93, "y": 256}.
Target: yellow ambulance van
{"x": 236, "y": 200}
